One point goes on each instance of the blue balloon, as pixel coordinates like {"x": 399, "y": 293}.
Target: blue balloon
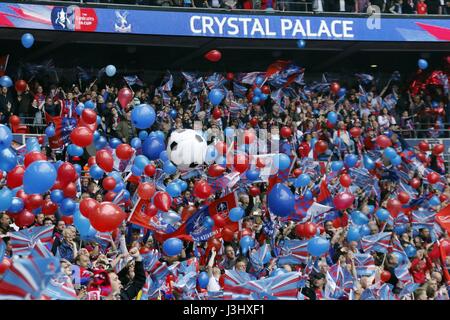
{"x": 17, "y": 205}
{"x": 173, "y": 113}
{"x": 256, "y": 100}
{"x": 143, "y": 135}
{"x": 143, "y": 116}
{"x": 141, "y": 161}
{"x": 382, "y": 214}
{"x": 57, "y": 196}
{"x": 110, "y": 70}
{"x": 371, "y": 208}
{"x": 89, "y": 104}
{"x": 390, "y": 153}
{"x": 400, "y": 257}
{"x": 434, "y": 201}
{"x": 216, "y": 96}
{"x": 39, "y": 177}
{"x": 350, "y": 160}
{"x": 8, "y": 159}
{"x": 99, "y": 120}
{"x": 50, "y": 131}
{"x": 136, "y": 143}
{"x": 359, "y": 218}
{"x": 100, "y": 143}
{"x": 411, "y": 251}
{"x": 114, "y": 142}
{"x": 116, "y": 175}
{"x": 332, "y": 117}
{"x": 281, "y": 201}
{"x": 172, "y": 247}
{"x": 364, "y": 230}
{"x": 236, "y": 214}
{"x": 337, "y": 165}
{"x": 257, "y": 92}
{"x": 6, "y": 137}
{"x": 136, "y": 170}
{"x": 318, "y": 246}
{"x": 283, "y": 161}
{"x": 96, "y": 135}
{"x": 6, "y": 81}
{"x": 308, "y": 195}
{"x": 229, "y": 132}
{"x": 422, "y": 63}
{"x": 246, "y": 243}
{"x": 263, "y": 96}
{"x": 67, "y": 207}
{"x": 221, "y": 161}
{"x": 169, "y": 167}
{"x": 163, "y": 156}
{"x": 119, "y": 186}
{"x": 96, "y": 172}
{"x": 301, "y": 43}
{"x": 259, "y": 81}
{"x": 153, "y": 147}
{"x": 252, "y": 174}
{"x": 126, "y": 195}
{"x": 77, "y": 169}
{"x": 369, "y": 164}
{"x": 211, "y": 154}
{"x": 400, "y": 229}
{"x": 397, "y": 160}
{"x": 302, "y": 180}
{"x": 353, "y": 234}
{"x": 27, "y": 40}
{"x": 32, "y": 144}
{"x": 90, "y": 234}
{"x": 203, "y": 279}
{"x": 208, "y": 222}
{"x": 81, "y": 223}
{"x": 74, "y": 150}
{"x": 79, "y": 108}
{"x": 159, "y": 134}
{"x": 173, "y": 189}
{"x": 6, "y": 198}
{"x": 183, "y": 185}
{"x": 342, "y": 92}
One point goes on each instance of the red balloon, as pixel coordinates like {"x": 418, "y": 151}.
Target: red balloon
{"x": 249, "y": 136}
{"x": 87, "y": 206}
{"x": 124, "y": 151}
{"x": 32, "y": 157}
{"x": 214, "y": 243}
{"x": 385, "y": 276}
{"x": 67, "y": 173}
{"x": 334, "y": 87}
{"x": 14, "y": 178}
{"x": 41, "y": 140}
{"x": 33, "y": 201}
{"x": 297, "y": 172}
{"x": 89, "y": 116}
{"x": 438, "y": 149}
{"x": 241, "y": 163}
{"x": 125, "y": 96}
{"x": 104, "y": 160}
{"x": 245, "y": 232}
{"x": 14, "y": 120}
{"x": 230, "y": 76}
{"x": 107, "y": 217}
{"x": 24, "y": 219}
{"x": 219, "y": 220}
{"x": 423, "y": 146}
{"x": 5, "y": 264}
{"x": 383, "y": 141}
{"x": 146, "y": 190}
{"x": 162, "y": 201}
{"x": 433, "y": 177}
{"x": 355, "y": 132}
{"x": 221, "y": 147}
{"x": 109, "y": 183}
{"x": 150, "y": 170}
{"x": 286, "y": 132}
{"x": 22, "y": 195}
{"x": 91, "y": 161}
{"x": 443, "y": 198}
{"x": 254, "y": 191}
{"x": 300, "y": 230}
{"x": 345, "y": 180}
{"x": 70, "y": 190}
{"x": 227, "y": 234}
{"x": 82, "y": 136}
{"x": 343, "y": 200}
{"x": 217, "y": 113}
{"x": 320, "y": 146}
{"x": 213, "y": 55}
{"x": 309, "y": 230}
{"x": 394, "y": 206}
{"x": 260, "y": 163}
{"x": 415, "y": 183}
{"x": 215, "y": 170}
{"x": 202, "y": 189}
{"x": 422, "y": 157}
{"x": 21, "y": 85}
{"x": 110, "y": 196}
{"x": 403, "y": 197}
{"x": 68, "y": 220}
{"x": 254, "y": 121}
{"x": 265, "y": 89}
{"x": 49, "y": 208}
{"x": 151, "y": 210}
{"x": 187, "y": 212}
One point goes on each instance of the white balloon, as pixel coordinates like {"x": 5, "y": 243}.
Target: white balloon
{"x": 110, "y": 70}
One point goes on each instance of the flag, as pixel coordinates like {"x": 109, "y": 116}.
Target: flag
{"x": 282, "y": 287}
{"x": 339, "y": 282}
{"x": 227, "y": 181}
{"x": 216, "y": 80}
{"x": 235, "y": 107}
{"x": 293, "y": 252}
{"x": 167, "y": 83}
{"x": 60, "y": 288}
{"x": 27, "y": 278}
{"x": 324, "y": 197}
{"x": 301, "y": 207}
{"x": 83, "y": 74}
{"x": 408, "y": 289}
{"x": 133, "y": 80}
{"x": 397, "y": 247}
{"x": 422, "y": 218}
{"x": 2, "y": 249}
{"x": 23, "y": 241}
{"x": 364, "y": 78}
{"x": 385, "y": 292}
{"x": 389, "y": 101}
{"x": 443, "y": 218}
{"x": 395, "y": 76}
{"x": 378, "y": 242}
{"x": 3, "y": 64}
{"x": 249, "y": 78}
{"x": 40, "y": 251}
{"x": 260, "y": 257}
{"x": 402, "y": 273}
{"x": 364, "y": 264}
{"x": 318, "y": 212}
{"x": 239, "y": 90}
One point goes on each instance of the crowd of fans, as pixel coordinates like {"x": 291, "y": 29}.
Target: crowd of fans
{"x": 118, "y": 268}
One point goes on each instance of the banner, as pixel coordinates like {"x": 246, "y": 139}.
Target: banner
{"x": 443, "y": 218}
{"x": 224, "y": 25}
